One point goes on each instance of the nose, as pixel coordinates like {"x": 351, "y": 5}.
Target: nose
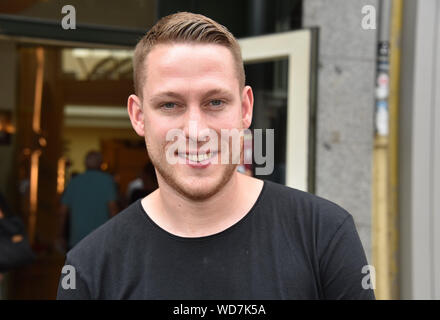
{"x": 195, "y": 127}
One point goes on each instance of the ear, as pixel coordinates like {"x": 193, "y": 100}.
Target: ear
{"x": 136, "y": 113}
{"x": 247, "y": 106}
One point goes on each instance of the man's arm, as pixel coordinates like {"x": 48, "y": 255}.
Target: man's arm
{"x": 345, "y": 273}
{"x": 72, "y": 285}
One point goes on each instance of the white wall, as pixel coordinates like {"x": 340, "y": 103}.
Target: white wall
{"x": 420, "y": 151}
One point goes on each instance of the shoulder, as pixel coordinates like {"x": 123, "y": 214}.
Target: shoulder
{"x": 100, "y": 174}
{"x": 304, "y": 203}
{"x": 108, "y": 240}
{"x": 75, "y": 180}
{"x": 305, "y": 218}
{"x": 108, "y": 248}
{"x": 310, "y": 213}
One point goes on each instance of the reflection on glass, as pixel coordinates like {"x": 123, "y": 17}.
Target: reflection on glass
{"x": 269, "y": 83}
{"x": 97, "y": 64}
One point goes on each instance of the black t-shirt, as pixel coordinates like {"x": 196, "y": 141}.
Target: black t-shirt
{"x": 290, "y": 245}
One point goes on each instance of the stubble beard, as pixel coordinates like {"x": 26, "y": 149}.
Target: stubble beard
{"x": 202, "y": 191}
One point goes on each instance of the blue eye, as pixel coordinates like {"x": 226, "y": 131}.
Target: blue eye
{"x": 216, "y": 103}
{"x": 169, "y": 105}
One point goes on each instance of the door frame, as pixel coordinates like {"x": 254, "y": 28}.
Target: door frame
{"x": 299, "y": 47}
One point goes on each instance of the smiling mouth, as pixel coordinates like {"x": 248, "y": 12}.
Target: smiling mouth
{"x": 197, "y": 157}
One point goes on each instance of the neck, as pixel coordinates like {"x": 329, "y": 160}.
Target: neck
{"x": 184, "y": 217}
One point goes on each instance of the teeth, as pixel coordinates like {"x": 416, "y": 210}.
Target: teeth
{"x": 197, "y": 158}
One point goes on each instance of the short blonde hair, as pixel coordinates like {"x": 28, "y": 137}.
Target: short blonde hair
{"x": 184, "y": 27}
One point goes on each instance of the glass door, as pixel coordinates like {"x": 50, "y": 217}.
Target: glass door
{"x": 280, "y": 69}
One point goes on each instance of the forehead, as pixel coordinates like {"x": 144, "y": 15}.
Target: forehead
{"x": 176, "y": 65}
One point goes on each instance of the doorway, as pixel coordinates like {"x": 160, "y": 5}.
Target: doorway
{"x": 72, "y": 99}
{"x": 283, "y": 71}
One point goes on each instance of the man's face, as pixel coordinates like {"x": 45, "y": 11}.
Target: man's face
{"x": 188, "y": 87}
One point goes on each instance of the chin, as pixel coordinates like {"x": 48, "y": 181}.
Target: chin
{"x": 197, "y": 188}
{"x": 199, "y": 191}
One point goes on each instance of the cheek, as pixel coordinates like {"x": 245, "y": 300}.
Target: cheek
{"x": 232, "y": 120}
{"x": 155, "y": 129}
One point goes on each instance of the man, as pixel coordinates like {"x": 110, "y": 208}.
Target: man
{"x": 209, "y": 232}
{"x": 89, "y": 200}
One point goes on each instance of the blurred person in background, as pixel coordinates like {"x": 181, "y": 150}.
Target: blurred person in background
{"x": 89, "y": 200}
{"x": 15, "y": 250}
{"x": 148, "y": 185}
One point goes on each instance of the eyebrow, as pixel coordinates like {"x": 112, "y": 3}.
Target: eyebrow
{"x": 217, "y": 91}
{"x": 175, "y": 95}
{"x": 165, "y": 95}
